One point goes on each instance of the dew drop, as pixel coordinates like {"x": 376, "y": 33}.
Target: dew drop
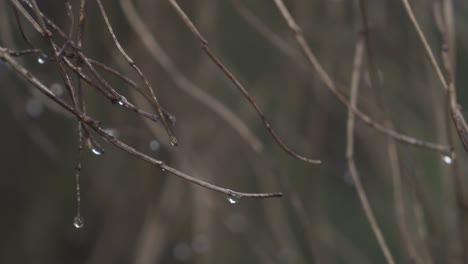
{"x": 174, "y": 141}
{"x": 120, "y": 103}
{"x": 26, "y": 2}
{"x": 163, "y": 169}
{"x": 447, "y": 159}
{"x": 41, "y": 59}
{"x": 233, "y": 199}
{"x": 78, "y": 222}
{"x": 96, "y": 151}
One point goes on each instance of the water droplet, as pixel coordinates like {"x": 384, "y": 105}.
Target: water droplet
{"x": 57, "y": 89}
{"x": 96, "y": 151}
{"x": 174, "y": 141}
{"x": 78, "y": 222}
{"x": 447, "y": 159}
{"x": 163, "y": 169}
{"x": 182, "y": 252}
{"x": 26, "y": 2}
{"x": 233, "y": 199}
{"x": 120, "y": 103}
{"x": 41, "y": 59}
{"x": 154, "y": 145}
{"x": 34, "y": 107}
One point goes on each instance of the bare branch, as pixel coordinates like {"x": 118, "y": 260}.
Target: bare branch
{"x": 137, "y": 69}
{"x": 95, "y": 125}
{"x": 350, "y": 156}
{"x": 182, "y": 82}
{"x": 299, "y": 36}
{"x": 212, "y": 56}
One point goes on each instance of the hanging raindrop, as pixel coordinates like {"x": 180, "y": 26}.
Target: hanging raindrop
{"x": 447, "y": 159}
{"x": 78, "y": 222}
{"x": 233, "y": 199}
{"x": 26, "y": 2}
{"x": 41, "y": 59}
{"x": 96, "y": 151}
{"x": 174, "y": 141}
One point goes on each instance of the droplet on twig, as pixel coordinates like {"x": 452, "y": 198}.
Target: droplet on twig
{"x": 447, "y": 159}
{"x": 174, "y": 141}
{"x": 96, "y": 151}
{"x": 26, "y": 2}
{"x": 233, "y": 199}
{"x": 41, "y": 59}
{"x": 78, "y": 222}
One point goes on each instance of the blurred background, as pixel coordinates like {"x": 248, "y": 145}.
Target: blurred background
{"x": 135, "y": 213}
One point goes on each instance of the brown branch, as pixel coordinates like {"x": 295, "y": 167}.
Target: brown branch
{"x": 392, "y": 152}
{"x": 299, "y": 37}
{"x": 443, "y": 13}
{"x": 95, "y": 125}
{"x": 447, "y": 84}
{"x": 187, "y": 86}
{"x": 212, "y": 56}
{"x": 81, "y": 23}
{"x": 350, "y": 156}
{"x": 140, "y": 73}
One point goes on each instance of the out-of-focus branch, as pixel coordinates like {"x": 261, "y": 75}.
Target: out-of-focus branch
{"x": 95, "y": 125}
{"x": 187, "y": 86}
{"x": 392, "y": 151}
{"x": 130, "y": 61}
{"x": 299, "y": 36}
{"x": 235, "y": 81}
{"x": 350, "y": 156}
{"x": 447, "y": 82}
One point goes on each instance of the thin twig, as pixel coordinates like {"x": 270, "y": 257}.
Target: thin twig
{"x": 443, "y": 13}
{"x": 130, "y": 61}
{"x": 395, "y": 171}
{"x": 214, "y": 58}
{"x": 160, "y": 56}
{"x": 350, "y": 156}
{"x": 95, "y": 125}
{"x": 447, "y": 83}
{"x": 299, "y": 37}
